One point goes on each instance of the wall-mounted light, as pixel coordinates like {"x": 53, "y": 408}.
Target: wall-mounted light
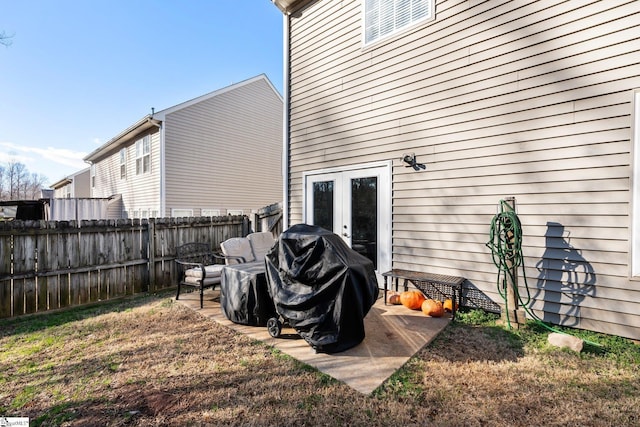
{"x": 410, "y": 160}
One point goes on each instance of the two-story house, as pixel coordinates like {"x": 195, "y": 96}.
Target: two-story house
{"x": 71, "y": 186}
{"x": 218, "y": 154}
{"x": 409, "y": 121}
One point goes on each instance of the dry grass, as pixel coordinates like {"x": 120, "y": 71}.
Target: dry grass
{"x": 150, "y": 361}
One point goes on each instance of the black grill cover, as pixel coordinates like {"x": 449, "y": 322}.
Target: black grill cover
{"x": 321, "y": 287}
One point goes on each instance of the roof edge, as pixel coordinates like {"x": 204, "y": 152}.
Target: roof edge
{"x": 151, "y": 120}
{"x": 160, "y": 115}
{"x": 140, "y": 126}
{"x": 290, "y": 6}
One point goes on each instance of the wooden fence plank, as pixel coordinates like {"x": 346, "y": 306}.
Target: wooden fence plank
{"x": 24, "y": 269}
{"x": 6, "y": 254}
{"x": 62, "y": 263}
{"x": 42, "y": 283}
{"x": 76, "y": 279}
{"x": 49, "y": 261}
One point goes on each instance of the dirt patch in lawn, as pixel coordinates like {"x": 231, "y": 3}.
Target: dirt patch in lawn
{"x": 150, "y": 361}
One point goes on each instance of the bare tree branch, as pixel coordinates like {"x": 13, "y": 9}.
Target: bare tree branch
{"x": 16, "y": 183}
{"x": 5, "y": 39}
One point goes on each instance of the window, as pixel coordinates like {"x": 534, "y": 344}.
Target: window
{"x": 209, "y": 212}
{"x": 234, "y": 212}
{"x": 144, "y": 213}
{"x": 143, "y": 148}
{"x": 383, "y": 18}
{"x": 635, "y": 179}
{"x": 123, "y": 163}
{"x": 93, "y": 176}
{"x": 181, "y": 212}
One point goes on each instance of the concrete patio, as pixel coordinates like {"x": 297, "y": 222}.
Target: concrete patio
{"x": 393, "y": 334}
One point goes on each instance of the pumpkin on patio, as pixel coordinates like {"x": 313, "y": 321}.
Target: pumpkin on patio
{"x": 394, "y": 298}
{"x": 448, "y": 305}
{"x": 412, "y": 299}
{"x": 432, "y": 308}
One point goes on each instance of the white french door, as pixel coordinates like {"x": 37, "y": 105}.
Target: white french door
{"x": 354, "y": 203}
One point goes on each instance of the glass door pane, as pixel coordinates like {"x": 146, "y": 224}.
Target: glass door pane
{"x": 364, "y": 217}
{"x": 323, "y": 204}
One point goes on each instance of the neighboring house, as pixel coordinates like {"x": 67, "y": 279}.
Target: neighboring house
{"x": 218, "y": 154}
{"x": 70, "y": 199}
{"x": 536, "y": 100}
{"x": 74, "y": 185}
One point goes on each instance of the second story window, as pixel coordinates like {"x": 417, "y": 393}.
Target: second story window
{"x": 143, "y": 158}
{"x": 92, "y": 174}
{"x": 123, "y": 163}
{"x": 383, "y": 18}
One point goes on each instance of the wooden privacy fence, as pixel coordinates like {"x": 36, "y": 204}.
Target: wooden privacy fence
{"x": 269, "y": 218}
{"x": 47, "y": 265}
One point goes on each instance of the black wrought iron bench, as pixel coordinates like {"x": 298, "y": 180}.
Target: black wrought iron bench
{"x": 199, "y": 267}
{"x": 436, "y": 286}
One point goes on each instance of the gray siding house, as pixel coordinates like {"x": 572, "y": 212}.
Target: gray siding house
{"x": 218, "y": 154}
{"x": 74, "y": 185}
{"x": 535, "y": 100}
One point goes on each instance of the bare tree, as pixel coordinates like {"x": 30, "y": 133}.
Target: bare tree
{"x": 16, "y": 174}
{"x": 5, "y": 39}
{"x": 3, "y": 188}
{"x": 16, "y": 183}
{"x": 34, "y": 186}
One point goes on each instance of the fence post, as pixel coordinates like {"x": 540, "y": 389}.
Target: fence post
{"x": 514, "y": 316}
{"x": 151, "y": 238}
{"x": 245, "y": 225}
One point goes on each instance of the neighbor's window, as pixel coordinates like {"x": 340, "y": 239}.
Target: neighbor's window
{"x": 123, "y": 163}
{"x": 93, "y": 175}
{"x": 209, "y": 212}
{"x": 635, "y": 219}
{"x": 143, "y": 148}
{"x": 383, "y": 18}
{"x": 181, "y": 212}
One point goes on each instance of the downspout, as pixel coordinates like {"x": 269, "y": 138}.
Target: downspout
{"x": 158, "y": 123}
{"x": 285, "y": 139}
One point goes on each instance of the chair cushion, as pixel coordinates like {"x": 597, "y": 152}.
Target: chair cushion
{"x": 237, "y": 246}
{"x": 191, "y": 280}
{"x": 214, "y": 272}
{"x": 261, "y": 242}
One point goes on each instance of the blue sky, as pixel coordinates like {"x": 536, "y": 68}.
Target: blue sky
{"x": 78, "y": 72}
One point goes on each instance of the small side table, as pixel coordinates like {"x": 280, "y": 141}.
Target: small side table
{"x": 432, "y": 285}
{"x": 244, "y": 297}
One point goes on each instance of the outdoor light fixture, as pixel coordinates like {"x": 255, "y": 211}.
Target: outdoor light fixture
{"x": 410, "y": 160}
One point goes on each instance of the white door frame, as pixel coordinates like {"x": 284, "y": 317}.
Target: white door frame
{"x": 382, "y": 170}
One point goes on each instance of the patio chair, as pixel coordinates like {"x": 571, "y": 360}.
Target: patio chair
{"x": 261, "y": 243}
{"x": 253, "y": 248}
{"x": 197, "y": 267}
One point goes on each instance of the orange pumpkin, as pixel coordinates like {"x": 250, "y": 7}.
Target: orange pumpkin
{"x": 412, "y": 299}
{"x": 448, "y": 305}
{"x": 432, "y": 308}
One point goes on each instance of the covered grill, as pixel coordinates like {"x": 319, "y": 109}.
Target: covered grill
{"x": 321, "y": 287}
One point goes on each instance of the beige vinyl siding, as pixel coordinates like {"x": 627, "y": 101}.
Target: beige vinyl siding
{"x": 64, "y": 191}
{"x": 139, "y": 192}
{"x": 500, "y": 98}
{"x": 81, "y": 184}
{"x": 226, "y": 151}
